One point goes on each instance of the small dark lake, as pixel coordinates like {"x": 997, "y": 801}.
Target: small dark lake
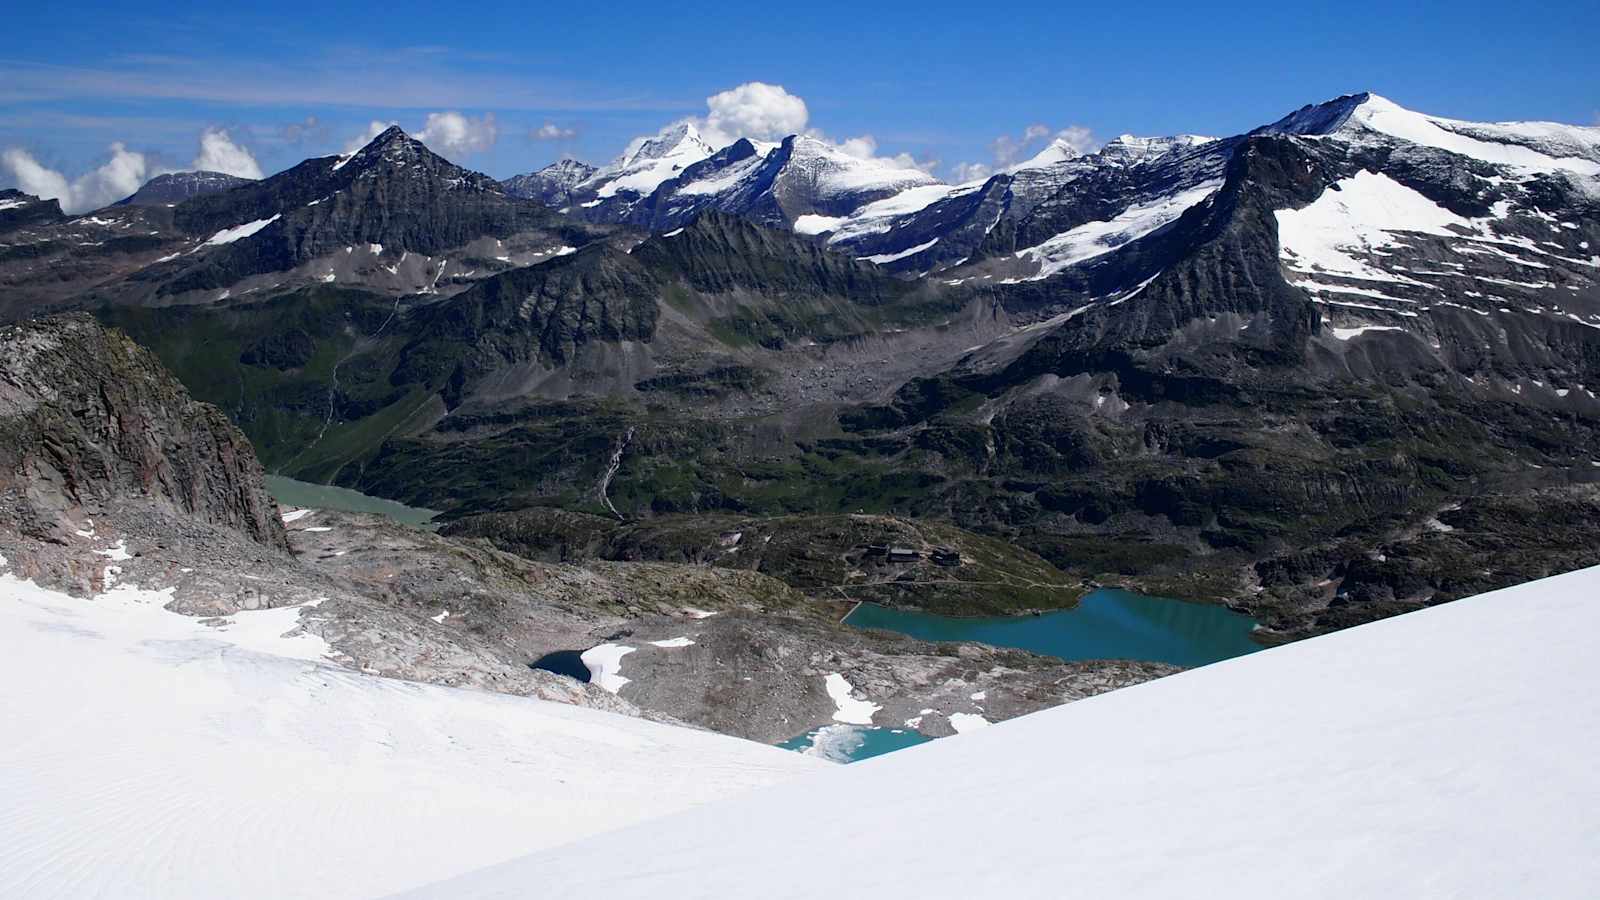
{"x": 1107, "y": 624}
{"x": 563, "y": 662}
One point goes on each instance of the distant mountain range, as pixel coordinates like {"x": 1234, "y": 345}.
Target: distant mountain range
{"x": 1270, "y": 367}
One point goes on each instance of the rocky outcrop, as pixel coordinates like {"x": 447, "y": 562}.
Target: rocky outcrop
{"x": 176, "y": 187}
{"x": 88, "y": 417}
{"x": 552, "y": 185}
{"x": 19, "y": 210}
{"x": 393, "y": 193}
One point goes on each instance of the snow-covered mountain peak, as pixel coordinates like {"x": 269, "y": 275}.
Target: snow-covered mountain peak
{"x": 553, "y": 184}
{"x": 832, "y": 170}
{"x": 1128, "y": 150}
{"x": 1369, "y": 118}
{"x": 648, "y": 161}
{"x": 1057, "y": 151}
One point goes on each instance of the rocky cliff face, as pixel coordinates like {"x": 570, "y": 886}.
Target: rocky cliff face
{"x": 88, "y": 417}
{"x": 18, "y": 210}
{"x": 176, "y": 187}
{"x": 552, "y": 185}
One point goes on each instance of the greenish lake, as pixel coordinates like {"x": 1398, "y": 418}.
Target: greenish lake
{"x": 290, "y": 492}
{"x": 853, "y": 743}
{"x": 1107, "y": 624}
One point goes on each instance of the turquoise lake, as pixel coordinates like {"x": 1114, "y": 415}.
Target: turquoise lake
{"x": 1107, "y": 624}
{"x": 853, "y": 743}
{"x": 290, "y": 492}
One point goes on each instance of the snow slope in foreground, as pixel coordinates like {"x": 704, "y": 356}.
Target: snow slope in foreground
{"x": 1445, "y": 753}
{"x": 145, "y": 754}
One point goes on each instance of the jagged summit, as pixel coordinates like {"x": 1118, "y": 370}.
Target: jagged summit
{"x": 1058, "y": 150}
{"x": 1320, "y": 118}
{"x": 552, "y": 185}
{"x": 393, "y": 146}
{"x": 649, "y": 161}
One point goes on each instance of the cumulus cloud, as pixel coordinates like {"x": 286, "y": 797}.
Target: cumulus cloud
{"x": 767, "y": 112}
{"x": 295, "y": 132}
{"x": 218, "y": 153}
{"x": 374, "y": 128}
{"x": 550, "y": 131}
{"x": 866, "y": 147}
{"x": 1008, "y": 150}
{"x": 1079, "y": 138}
{"x": 120, "y": 176}
{"x": 454, "y": 134}
{"x": 124, "y": 173}
{"x": 907, "y": 161}
{"x": 755, "y": 110}
{"x": 962, "y": 173}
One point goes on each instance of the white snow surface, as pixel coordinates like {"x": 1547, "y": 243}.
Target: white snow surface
{"x": 1346, "y": 333}
{"x": 1095, "y": 238}
{"x": 1362, "y": 215}
{"x": 849, "y": 710}
{"x": 1531, "y": 146}
{"x": 1507, "y": 143}
{"x": 880, "y": 215}
{"x": 964, "y": 723}
{"x": 831, "y": 171}
{"x": 1446, "y": 753}
{"x": 239, "y": 232}
{"x": 882, "y": 258}
{"x": 147, "y": 755}
{"x": 605, "y": 665}
{"x": 647, "y": 162}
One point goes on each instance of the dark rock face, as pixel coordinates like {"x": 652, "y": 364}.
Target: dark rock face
{"x": 87, "y": 416}
{"x": 176, "y": 187}
{"x": 394, "y": 193}
{"x": 19, "y": 210}
{"x": 552, "y": 185}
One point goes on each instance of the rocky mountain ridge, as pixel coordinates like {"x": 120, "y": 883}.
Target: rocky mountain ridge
{"x": 1169, "y": 363}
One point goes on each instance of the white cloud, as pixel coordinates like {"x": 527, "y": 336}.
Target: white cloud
{"x": 965, "y": 172}
{"x": 755, "y": 110}
{"x": 295, "y": 132}
{"x": 454, "y": 134}
{"x": 1008, "y": 150}
{"x": 120, "y": 176}
{"x": 866, "y": 147}
{"x": 907, "y": 161}
{"x": 374, "y": 128}
{"x": 767, "y": 112}
{"x": 1079, "y": 138}
{"x": 863, "y": 147}
{"x": 550, "y": 131}
{"x": 124, "y": 173}
{"x": 218, "y": 153}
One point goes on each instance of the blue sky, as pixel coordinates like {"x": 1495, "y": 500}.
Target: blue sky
{"x": 941, "y": 83}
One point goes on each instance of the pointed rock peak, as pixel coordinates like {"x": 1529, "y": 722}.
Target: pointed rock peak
{"x": 390, "y": 135}
{"x": 1328, "y": 117}
{"x": 678, "y": 139}
{"x": 1057, "y": 151}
